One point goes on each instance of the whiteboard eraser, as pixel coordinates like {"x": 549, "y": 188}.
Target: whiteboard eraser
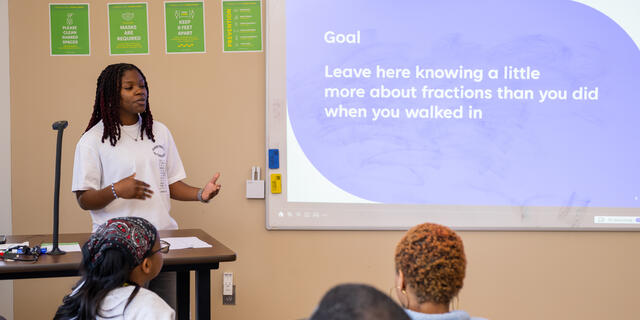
{"x": 255, "y": 189}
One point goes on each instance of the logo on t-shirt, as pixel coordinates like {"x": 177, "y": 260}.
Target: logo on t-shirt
{"x": 158, "y": 150}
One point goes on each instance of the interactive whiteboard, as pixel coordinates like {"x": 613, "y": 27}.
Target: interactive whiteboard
{"x": 494, "y": 114}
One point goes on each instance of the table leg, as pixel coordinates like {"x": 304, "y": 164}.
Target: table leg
{"x": 182, "y": 296}
{"x": 203, "y": 294}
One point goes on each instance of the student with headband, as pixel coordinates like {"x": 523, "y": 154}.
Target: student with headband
{"x": 117, "y": 261}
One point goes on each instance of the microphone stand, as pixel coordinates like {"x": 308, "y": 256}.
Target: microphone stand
{"x": 60, "y": 126}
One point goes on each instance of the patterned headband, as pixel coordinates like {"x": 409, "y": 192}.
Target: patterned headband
{"x": 133, "y": 236}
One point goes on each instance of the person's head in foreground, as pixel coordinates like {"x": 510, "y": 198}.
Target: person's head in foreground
{"x": 357, "y": 302}
{"x": 430, "y": 269}
{"x": 122, "y": 253}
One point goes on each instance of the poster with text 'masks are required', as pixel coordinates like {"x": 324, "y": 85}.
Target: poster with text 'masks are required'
{"x": 128, "y": 28}
{"x": 69, "y": 29}
{"x": 184, "y": 27}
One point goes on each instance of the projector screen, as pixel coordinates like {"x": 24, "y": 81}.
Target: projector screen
{"x": 488, "y": 115}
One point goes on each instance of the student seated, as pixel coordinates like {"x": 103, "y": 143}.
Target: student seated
{"x": 430, "y": 269}
{"x": 357, "y": 302}
{"x": 117, "y": 261}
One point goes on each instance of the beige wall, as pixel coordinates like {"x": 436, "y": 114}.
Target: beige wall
{"x": 214, "y": 105}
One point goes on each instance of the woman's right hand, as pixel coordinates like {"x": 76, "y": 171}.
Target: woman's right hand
{"x": 130, "y": 188}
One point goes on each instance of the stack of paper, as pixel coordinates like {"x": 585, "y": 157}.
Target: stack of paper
{"x": 185, "y": 243}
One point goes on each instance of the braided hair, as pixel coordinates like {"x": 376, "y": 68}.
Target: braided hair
{"x": 108, "y": 258}
{"x": 107, "y": 104}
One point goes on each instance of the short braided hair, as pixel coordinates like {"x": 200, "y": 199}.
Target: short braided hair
{"x": 106, "y": 106}
{"x": 432, "y": 259}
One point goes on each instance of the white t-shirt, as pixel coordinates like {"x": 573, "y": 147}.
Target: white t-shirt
{"x": 145, "y": 305}
{"x": 98, "y": 165}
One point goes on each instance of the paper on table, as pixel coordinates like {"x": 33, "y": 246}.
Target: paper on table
{"x": 9, "y": 245}
{"x": 186, "y": 242}
{"x": 66, "y": 247}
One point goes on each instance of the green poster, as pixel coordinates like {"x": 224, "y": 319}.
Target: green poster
{"x": 69, "y": 28}
{"x": 184, "y": 26}
{"x": 128, "y": 28}
{"x": 242, "y": 25}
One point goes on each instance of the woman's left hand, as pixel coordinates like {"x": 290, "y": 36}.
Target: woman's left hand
{"x": 212, "y": 188}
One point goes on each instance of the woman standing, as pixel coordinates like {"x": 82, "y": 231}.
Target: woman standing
{"x": 127, "y": 164}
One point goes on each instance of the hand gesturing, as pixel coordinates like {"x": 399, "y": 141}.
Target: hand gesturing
{"x": 211, "y": 189}
{"x": 130, "y": 188}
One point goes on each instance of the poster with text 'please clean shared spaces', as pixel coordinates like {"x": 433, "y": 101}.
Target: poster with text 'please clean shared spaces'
{"x": 69, "y": 29}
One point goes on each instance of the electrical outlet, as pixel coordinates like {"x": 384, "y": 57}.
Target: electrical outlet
{"x": 230, "y": 299}
{"x": 228, "y": 289}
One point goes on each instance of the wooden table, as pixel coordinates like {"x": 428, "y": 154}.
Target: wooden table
{"x": 200, "y": 260}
